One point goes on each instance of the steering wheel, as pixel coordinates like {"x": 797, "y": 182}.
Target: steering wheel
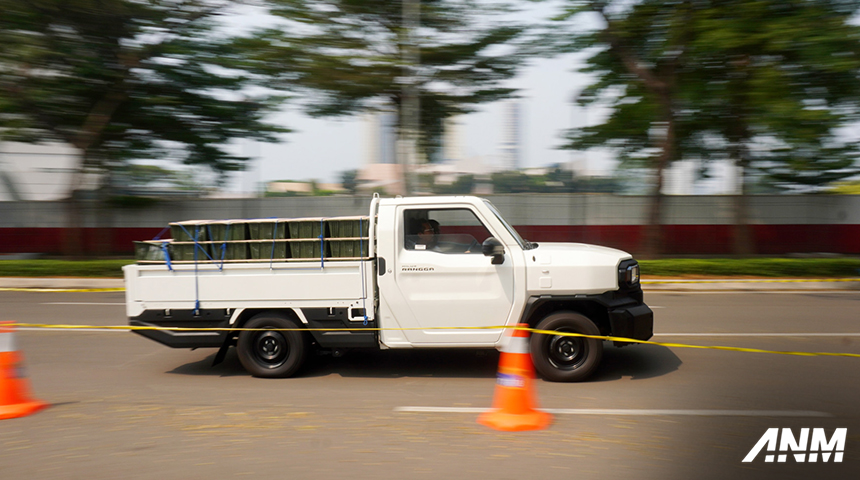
{"x": 472, "y": 245}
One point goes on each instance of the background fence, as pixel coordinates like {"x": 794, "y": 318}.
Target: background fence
{"x": 692, "y": 225}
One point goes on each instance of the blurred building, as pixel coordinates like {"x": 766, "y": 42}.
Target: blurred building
{"x": 380, "y": 171}
{"x": 691, "y": 177}
{"x": 38, "y": 171}
{"x": 381, "y": 138}
{"x": 452, "y": 140}
{"x": 384, "y": 177}
{"x": 301, "y": 188}
{"x": 512, "y": 138}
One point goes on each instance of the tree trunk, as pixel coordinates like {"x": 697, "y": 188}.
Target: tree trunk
{"x": 73, "y": 242}
{"x": 653, "y": 246}
{"x": 84, "y": 140}
{"x": 742, "y": 238}
{"x": 103, "y": 240}
{"x": 654, "y": 240}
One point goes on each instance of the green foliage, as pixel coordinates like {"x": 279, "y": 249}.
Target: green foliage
{"x": 766, "y": 84}
{"x": 349, "y": 181}
{"x": 463, "y": 185}
{"x": 716, "y": 267}
{"x": 153, "y": 180}
{"x": 517, "y": 182}
{"x": 753, "y": 267}
{"x": 122, "y": 79}
{"x": 283, "y": 194}
{"x": 63, "y": 268}
{"x": 554, "y": 181}
{"x": 132, "y": 201}
{"x": 354, "y": 56}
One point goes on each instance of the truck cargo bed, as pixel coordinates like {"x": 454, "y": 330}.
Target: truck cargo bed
{"x": 248, "y": 285}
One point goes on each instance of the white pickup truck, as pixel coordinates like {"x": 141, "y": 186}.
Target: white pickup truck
{"x": 423, "y": 272}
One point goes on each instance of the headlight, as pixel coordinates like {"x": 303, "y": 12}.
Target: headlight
{"x": 628, "y": 274}
{"x": 633, "y": 274}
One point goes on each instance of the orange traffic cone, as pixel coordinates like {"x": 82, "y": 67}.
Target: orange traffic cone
{"x": 514, "y": 401}
{"x": 15, "y": 398}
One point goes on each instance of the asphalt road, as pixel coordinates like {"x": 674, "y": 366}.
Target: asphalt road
{"x": 126, "y": 407}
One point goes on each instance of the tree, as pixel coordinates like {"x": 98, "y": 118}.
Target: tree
{"x": 463, "y": 185}
{"x": 781, "y": 80}
{"x": 357, "y": 56}
{"x": 787, "y": 88}
{"x": 150, "y": 179}
{"x": 636, "y": 59}
{"x": 349, "y": 181}
{"x": 122, "y": 80}
{"x": 517, "y": 182}
{"x": 765, "y": 84}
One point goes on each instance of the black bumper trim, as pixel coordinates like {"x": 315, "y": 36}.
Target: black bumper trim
{"x": 635, "y": 322}
{"x": 628, "y": 316}
{"x": 183, "y": 319}
{"x": 337, "y": 319}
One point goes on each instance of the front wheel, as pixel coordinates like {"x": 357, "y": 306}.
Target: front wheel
{"x": 270, "y": 352}
{"x": 561, "y": 358}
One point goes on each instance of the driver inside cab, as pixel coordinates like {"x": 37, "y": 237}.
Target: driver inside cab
{"x": 428, "y": 236}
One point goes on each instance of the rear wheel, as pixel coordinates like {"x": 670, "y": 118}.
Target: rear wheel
{"x": 560, "y": 358}
{"x": 270, "y": 352}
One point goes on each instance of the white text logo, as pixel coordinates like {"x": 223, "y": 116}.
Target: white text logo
{"x": 835, "y": 446}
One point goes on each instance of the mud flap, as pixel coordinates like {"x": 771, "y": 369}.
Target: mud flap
{"x": 222, "y": 352}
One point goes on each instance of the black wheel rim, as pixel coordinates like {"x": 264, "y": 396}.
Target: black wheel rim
{"x": 270, "y": 349}
{"x": 567, "y": 353}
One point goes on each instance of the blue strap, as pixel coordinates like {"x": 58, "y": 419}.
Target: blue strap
{"x": 274, "y": 236}
{"x": 158, "y": 237}
{"x": 166, "y": 255}
{"x": 196, "y": 245}
{"x": 196, "y": 283}
{"x": 322, "y": 244}
{"x": 361, "y": 263}
{"x": 224, "y": 248}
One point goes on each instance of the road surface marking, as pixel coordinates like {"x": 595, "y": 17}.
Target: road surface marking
{"x": 88, "y": 329}
{"x": 82, "y": 303}
{"x": 799, "y": 334}
{"x": 632, "y": 412}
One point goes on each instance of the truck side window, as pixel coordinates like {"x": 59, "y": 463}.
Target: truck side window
{"x": 447, "y": 231}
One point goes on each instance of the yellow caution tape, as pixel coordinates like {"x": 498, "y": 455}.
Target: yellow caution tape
{"x": 752, "y": 280}
{"x": 643, "y": 282}
{"x": 379, "y": 329}
{"x": 683, "y": 345}
{"x": 61, "y": 290}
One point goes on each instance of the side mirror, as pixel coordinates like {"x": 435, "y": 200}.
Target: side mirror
{"x": 494, "y": 248}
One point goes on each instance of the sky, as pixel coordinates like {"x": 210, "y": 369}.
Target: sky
{"x": 320, "y": 149}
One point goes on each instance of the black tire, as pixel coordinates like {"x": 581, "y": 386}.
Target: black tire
{"x": 271, "y": 353}
{"x": 561, "y": 358}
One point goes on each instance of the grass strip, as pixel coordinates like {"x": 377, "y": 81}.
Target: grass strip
{"x": 63, "y": 268}
{"x": 669, "y": 267}
{"x": 753, "y": 267}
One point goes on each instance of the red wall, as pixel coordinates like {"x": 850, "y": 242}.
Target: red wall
{"x": 57, "y": 241}
{"x": 679, "y": 239}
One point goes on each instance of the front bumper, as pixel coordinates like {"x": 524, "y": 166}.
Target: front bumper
{"x": 635, "y": 322}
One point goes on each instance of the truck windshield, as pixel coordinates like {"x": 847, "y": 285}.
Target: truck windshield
{"x": 523, "y": 243}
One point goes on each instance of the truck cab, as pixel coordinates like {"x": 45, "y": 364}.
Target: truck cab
{"x": 435, "y": 272}
{"x": 479, "y": 272}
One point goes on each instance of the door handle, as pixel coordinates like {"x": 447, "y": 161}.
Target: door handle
{"x": 380, "y": 266}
